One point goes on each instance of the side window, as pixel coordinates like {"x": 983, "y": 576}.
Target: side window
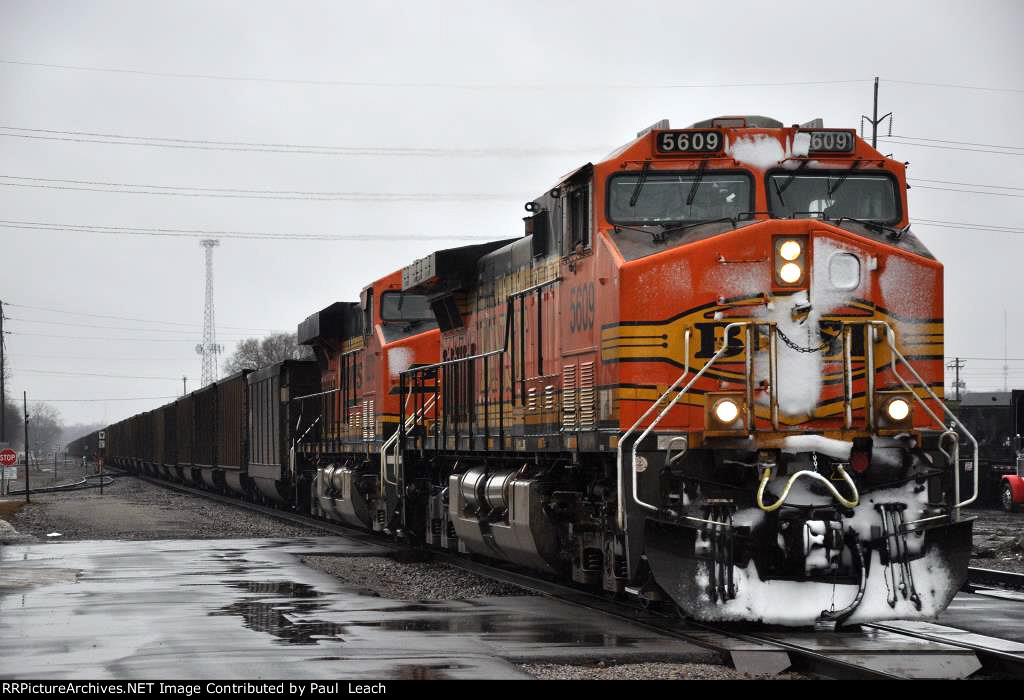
{"x": 578, "y": 216}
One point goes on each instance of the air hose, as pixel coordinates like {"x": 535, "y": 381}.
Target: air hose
{"x": 766, "y": 475}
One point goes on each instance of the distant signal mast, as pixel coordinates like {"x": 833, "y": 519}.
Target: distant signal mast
{"x": 209, "y": 349}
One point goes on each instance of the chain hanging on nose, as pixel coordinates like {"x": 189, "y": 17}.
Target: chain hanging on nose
{"x": 799, "y": 348}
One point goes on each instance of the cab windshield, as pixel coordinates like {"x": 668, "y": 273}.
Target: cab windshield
{"x": 669, "y": 198}
{"x": 834, "y": 195}
{"x": 410, "y": 308}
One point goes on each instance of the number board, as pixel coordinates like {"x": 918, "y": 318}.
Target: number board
{"x": 689, "y": 141}
{"x": 831, "y": 141}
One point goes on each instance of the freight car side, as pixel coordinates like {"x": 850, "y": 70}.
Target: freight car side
{"x": 275, "y": 472}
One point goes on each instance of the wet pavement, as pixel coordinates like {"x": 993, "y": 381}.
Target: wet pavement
{"x": 996, "y": 614}
{"x": 248, "y": 609}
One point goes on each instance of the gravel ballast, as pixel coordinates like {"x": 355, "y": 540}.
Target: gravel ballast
{"x": 658, "y": 671}
{"x": 132, "y": 509}
{"x": 410, "y": 580}
{"x": 998, "y": 540}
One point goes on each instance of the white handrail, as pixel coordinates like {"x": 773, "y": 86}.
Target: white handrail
{"x": 890, "y": 336}
{"x": 896, "y": 355}
{"x": 622, "y": 439}
{"x": 392, "y": 442}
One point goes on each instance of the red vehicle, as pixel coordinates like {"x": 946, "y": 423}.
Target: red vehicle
{"x": 996, "y": 419}
{"x": 1012, "y": 494}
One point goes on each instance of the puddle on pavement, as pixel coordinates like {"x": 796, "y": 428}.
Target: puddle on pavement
{"x": 270, "y": 612}
{"x": 270, "y": 606}
{"x": 508, "y": 628}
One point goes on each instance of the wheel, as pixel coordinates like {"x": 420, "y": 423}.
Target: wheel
{"x": 1008, "y": 505}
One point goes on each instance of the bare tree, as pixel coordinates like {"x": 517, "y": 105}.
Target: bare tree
{"x": 44, "y": 428}
{"x": 12, "y": 415}
{"x": 253, "y": 353}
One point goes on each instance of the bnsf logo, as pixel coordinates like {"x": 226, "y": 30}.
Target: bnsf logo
{"x": 709, "y": 338}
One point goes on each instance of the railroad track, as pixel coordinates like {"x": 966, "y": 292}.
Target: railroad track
{"x": 991, "y": 577}
{"x": 929, "y": 651}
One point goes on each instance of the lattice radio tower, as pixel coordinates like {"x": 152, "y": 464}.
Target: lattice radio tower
{"x": 209, "y": 348}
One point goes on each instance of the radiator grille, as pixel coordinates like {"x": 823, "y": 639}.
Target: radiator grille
{"x": 569, "y": 397}
{"x": 587, "y": 395}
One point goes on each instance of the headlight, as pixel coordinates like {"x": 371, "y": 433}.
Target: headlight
{"x": 894, "y": 412}
{"x": 790, "y": 273}
{"x": 790, "y": 250}
{"x": 897, "y": 410}
{"x": 727, "y": 411}
{"x": 790, "y": 260}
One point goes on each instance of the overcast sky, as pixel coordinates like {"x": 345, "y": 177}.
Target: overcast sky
{"x": 536, "y": 87}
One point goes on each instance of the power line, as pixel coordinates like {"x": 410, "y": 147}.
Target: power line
{"x": 890, "y": 140}
{"x": 36, "y": 356}
{"x": 245, "y": 235}
{"x": 197, "y": 233}
{"x": 94, "y": 374}
{"x": 114, "y": 328}
{"x": 982, "y": 88}
{"x": 418, "y": 85}
{"x": 125, "y": 398}
{"x": 957, "y": 143}
{"x": 128, "y": 318}
{"x": 187, "y": 191}
{"x": 954, "y": 189}
{"x": 966, "y": 184}
{"x": 991, "y": 228}
{"x": 84, "y": 337}
{"x": 303, "y": 149}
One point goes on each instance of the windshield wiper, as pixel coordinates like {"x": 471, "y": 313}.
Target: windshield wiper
{"x": 668, "y": 229}
{"x": 842, "y": 179}
{"x": 789, "y": 181}
{"x": 640, "y": 183}
{"x": 895, "y": 233}
{"x": 696, "y": 183}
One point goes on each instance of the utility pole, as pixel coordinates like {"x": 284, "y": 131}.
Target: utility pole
{"x": 1006, "y": 362}
{"x": 28, "y": 466}
{"x": 957, "y": 364}
{"x": 874, "y": 120}
{"x": 3, "y": 388}
{"x": 184, "y": 385}
{"x": 209, "y": 349}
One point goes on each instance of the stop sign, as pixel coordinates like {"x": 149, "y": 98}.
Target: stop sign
{"x": 8, "y": 457}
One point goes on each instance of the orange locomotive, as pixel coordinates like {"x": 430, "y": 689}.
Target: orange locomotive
{"x": 712, "y": 370}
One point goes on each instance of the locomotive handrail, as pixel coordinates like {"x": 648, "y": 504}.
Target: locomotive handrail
{"x": 890, "y": 337}
{"x": 664, "y": 412}
{"x": 392, "y": 442}
{"x": 632, "y": 429}
{"x": 896, "y": 357}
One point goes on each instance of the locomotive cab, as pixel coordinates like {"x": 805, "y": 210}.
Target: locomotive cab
{"x": 780, "y": 331}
